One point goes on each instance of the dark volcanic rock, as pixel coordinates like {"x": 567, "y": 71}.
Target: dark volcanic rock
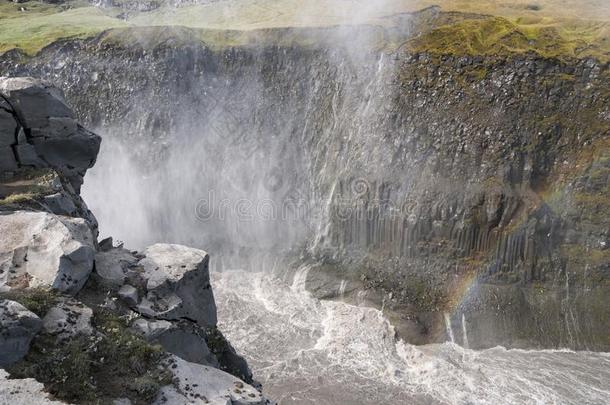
{"x": 17, "y": 328}
{"x": 49, "y": 134}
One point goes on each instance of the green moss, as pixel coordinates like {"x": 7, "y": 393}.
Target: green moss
{"x": 491, "y": 35}
{"x": 19, "y": 198}
{"x": 65, "y": 370}
{"x": 26, "y": 186}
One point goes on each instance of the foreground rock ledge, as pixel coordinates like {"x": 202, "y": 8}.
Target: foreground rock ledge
{"x": 119, "y": 334}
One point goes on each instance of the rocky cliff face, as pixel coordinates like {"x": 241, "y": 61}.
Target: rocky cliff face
{"x": 460, "y": 193}
{"x": 92, "y": 321}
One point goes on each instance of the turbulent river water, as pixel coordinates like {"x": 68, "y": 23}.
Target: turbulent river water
{"x": 307, "y": 351}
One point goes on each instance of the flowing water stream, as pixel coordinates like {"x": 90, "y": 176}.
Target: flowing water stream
{"x": 307, "y": 351}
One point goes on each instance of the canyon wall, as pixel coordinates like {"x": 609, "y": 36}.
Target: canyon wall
{"x": 460, "y": 193}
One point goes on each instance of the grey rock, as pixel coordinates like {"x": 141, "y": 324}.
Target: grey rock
{"x": 188, "y": 344}
{"x": 129, "y": 294}
{"x": 72, "y": 155}
{"x": 42, "y": 249}
{"x": 183, "y": 339}
{"x": 26, "y": 391}
{"x": 199, "y": 384}
{"x": 7, "y": 159}
{"x": 60, "y": 204}
{"x": 34, "y": 100}
{"x": 8, "y": 128}
{"x": 150, "y": 329}
{"x": 227, "y": 356}
{"x": 58, "y": 127}
{"x": 52, "y": 137}
{"x": 18, "y": 326}
{"x": 121, "y": 401}
{"x": 68, "y": 319}
{"x": 111, "y": 267}
{"x": 177, "y": 282}
{"x": 105, "y": 244}
{"x": 27, "y": 156}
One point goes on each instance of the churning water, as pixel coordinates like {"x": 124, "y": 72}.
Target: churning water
{"x": 307, "y": 351}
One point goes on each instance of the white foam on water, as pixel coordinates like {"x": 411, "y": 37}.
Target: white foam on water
{"x": 307, "y": 351}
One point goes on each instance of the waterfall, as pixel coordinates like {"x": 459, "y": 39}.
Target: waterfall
{"x": 342, "y": 287}
{"x": 448, "y": 327}
{"x": 464, "y": 332}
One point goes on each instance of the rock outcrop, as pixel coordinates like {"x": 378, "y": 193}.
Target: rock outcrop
{"x": 18, "y": 326}
{"x": 39, "y": 130}
{"x": 103, "y": 320}
{"x": 169, "y": 286}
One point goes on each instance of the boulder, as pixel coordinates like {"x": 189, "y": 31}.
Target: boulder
{"x": 61, "y": 204}
{"x": 67, "y": 319}
{"x": 183, "y": 339}
{"x": 129, "y": 294}
{"x": 199, "y": 384}
{"x": 111, "y": 267}
{"x": 18, "y": 326}
{"x": 177, "y": 284}
{"x": 25, "y": 391}
{"x": 42, "y": 249}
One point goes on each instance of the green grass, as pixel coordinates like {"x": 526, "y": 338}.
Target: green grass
{"x": 551, "y": 29}
{"x": 37, "y": 300}
{"x": 43, "y": 24}
{"x": 96, "y": 369}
